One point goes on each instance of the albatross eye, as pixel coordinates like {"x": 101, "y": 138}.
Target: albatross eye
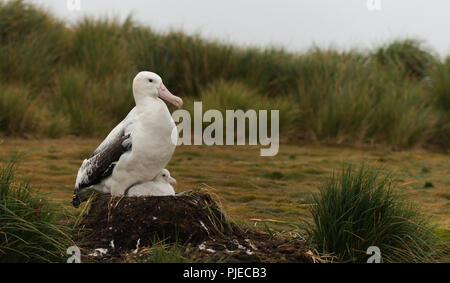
{"x": 150, "y": 80}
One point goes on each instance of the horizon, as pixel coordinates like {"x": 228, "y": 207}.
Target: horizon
{"x": 354, "y": 24}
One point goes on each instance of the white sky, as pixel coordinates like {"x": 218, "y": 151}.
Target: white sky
{"x": 293, "y": 24}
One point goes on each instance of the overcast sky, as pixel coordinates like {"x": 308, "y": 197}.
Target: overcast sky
{"x": 293, "y": 24}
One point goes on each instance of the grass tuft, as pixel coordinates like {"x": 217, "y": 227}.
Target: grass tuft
{"x": 428, "y": 185}
{"x": 31, "y": 229}
{"x": 360, "y": 209}
{"x": 276, "y": 175}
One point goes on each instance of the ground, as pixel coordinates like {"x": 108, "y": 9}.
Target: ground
{"x": 191, "y": 221}
{"x": 260, "y": 191}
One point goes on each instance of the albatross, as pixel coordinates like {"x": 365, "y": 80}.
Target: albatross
{"x": 158, "y": 187}
{"x": 138, "y": 148}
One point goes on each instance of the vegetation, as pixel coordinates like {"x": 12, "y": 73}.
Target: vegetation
{"x": 408, "y": 56}
{"x": 359, "y": 209}
{"x": 17, "y": 114}
{"x": 31, "y": 228}
{"x": 78, "y": 78}
{"x": 276, "y": 198}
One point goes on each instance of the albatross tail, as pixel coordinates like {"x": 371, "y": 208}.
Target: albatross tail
{"x": 76, "y": 199}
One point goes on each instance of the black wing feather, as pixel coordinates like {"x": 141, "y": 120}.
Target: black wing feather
{"x": 104, "y": 162}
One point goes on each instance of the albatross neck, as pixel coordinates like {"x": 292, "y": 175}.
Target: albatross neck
{"x": 143, "y": 101}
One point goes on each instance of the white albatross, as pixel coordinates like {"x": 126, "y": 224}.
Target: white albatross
{"x": 139, "y": 147}
{"x": 158, "y": 187}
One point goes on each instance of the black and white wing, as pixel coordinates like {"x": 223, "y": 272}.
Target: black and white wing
{"x": 101, "y": 163}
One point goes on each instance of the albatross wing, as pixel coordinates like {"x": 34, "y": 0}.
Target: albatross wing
{"x": 100, "y": 164}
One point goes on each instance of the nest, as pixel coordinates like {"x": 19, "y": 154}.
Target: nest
{"x": 192, "y": 219}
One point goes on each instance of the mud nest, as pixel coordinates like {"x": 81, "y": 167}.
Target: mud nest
{"x": 192, "y": 219}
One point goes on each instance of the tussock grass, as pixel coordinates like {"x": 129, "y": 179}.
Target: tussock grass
{"x": 32, "y": 44}
{"x": 408, "y": 55}
{"x": 18, "y": 114}
{"x": 345, "y": 99}
{"x": 31, "y": 229}
{"x": 441, "y": 85}
{"x": 91, "y": 106}
{"x": 440, "y": 97}
{"x": 99, "y": 48}
{"x": 236, "y": 95}
{"x": 395, "y": 95}
{"x": 358, "y": 209}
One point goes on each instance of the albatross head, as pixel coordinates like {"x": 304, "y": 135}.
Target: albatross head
{"x": 150, "y": 84}
{"x": 164, "y": 177}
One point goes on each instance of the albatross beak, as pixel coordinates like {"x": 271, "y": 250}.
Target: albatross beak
{"x": 172, "y": 181}
{"x": 165, "y": 94}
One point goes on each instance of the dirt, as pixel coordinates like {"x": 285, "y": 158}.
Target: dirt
{"x": 194, "y": 220}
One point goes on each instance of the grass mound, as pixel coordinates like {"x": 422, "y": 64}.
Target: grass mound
{"x": 192, "y": 221}
{"x": 31, "y": 229}
{"x": 358, "y": 209}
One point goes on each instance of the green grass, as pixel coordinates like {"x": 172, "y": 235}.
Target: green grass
{"x": 358, "y": 209}
{"x": 441, "y": 85}
{"x": 346, "y": 98}
{"x": 99, "y": 48}
{"x": 79, "y": 76}
{"x": 31, "y": 228}
{"x": 17, "y": 112}
{"x": 407, "y": 55}
{"x": 167, "y": 253}
{"x": 428, "y": 185}
{"x": 275, "y": 175}
{"x": 81, "y": 100}
{"x": 32, "y": 44}
{"x": 235, "y": 95}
